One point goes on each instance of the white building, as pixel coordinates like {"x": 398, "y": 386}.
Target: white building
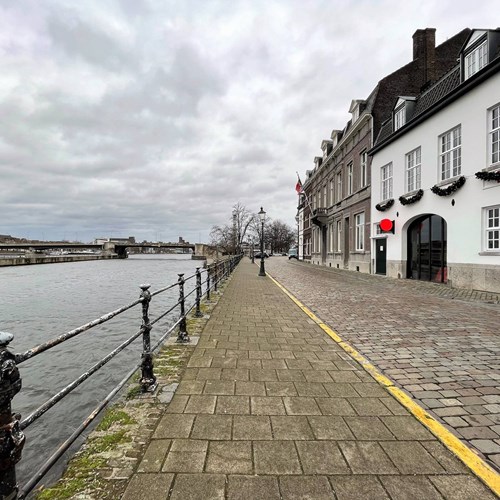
{"x": 424, "y": 166}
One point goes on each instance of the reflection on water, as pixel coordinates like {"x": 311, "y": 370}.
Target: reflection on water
{"x": 41, "y": 302}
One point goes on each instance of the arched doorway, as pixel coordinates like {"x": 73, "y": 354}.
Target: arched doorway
{"x": 427, "y": 249}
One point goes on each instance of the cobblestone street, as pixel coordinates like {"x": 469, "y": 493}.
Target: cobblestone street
{"x": 441, "y": 345}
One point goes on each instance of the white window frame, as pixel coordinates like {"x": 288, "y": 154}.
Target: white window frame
{"x": 476, "y": 60}
{"x": 332, "y": 191}
{"x": 494, "y": 135}
{"x": 349, "y": 179}
{"x": 413, "y": 169}
{"x": 363, "y": 168}
{"x": 399, "y": 117}
{"x": 325, "y": 199}
{"x": 386, "y": 182}
{"x": 360, "y": 231}
{"x": 339, "y": 235}
{"x": 450, "y": 153}
{"x": 339, "y": 186}
{"x": 492, "y": 229}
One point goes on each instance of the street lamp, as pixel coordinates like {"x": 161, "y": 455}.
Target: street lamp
{"x": 262, "y": 216}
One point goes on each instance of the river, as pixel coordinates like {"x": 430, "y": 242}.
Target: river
{"x": 40, "y": 302}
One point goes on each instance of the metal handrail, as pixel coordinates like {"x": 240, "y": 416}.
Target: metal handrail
{"x": 13, "y": 439}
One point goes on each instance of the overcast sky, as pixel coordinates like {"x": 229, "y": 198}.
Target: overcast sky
{"x": 153, "y": 118}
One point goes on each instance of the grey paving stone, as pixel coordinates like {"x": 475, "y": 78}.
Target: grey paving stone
{"x": 291, "y": 428}
{"x": 311, "y": 389}
{"x": 410, "y": 488}
{"x": 200, "y": 404}
{"x": 154, "y": 456}
{"x": 290, "y": 375}
{"x": 252, "y": 428}
{"x": 462, "y": 488}
{"x": 339, "y": 390}
{"x": 406, "y": 428}
{"x": 250, "y": 388}
{"x": 366, "y": 458}
{"x": 248, "y": 487}
{"x": 304, "y": 487}
{"x": 230, "y": 457}
{"x": 446, "y": 459}
{"x": 198, "y": 487}
{"x": 335, "y": 406}
{"x": 358, "y": 488}
{"x": 369, "y": 406}
{"x": 410, "y": 457}
{"x": 219, "y": 387}
{"x": 174, "y": 426}
{"x": 217, "y": 427}
{"x": 233, "y": 405}
{"x": 486, "y": 445}
{"x": 148, "y": 487}
{"x": 321, "y": 457}
{"x": 276, "y": 457}
{"x": 280, "y": 389}
{"x": 329, "y": 427}
{"x": 267, "y": 406}
{"x": 301, "y": 406}
{"x": 235, "y": 374}
{"x": 368, "y": 428}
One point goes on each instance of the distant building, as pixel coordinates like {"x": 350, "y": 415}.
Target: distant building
{"x": 436, "y": 174}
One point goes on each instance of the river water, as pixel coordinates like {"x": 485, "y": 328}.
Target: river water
{"x": 39, "y": 302}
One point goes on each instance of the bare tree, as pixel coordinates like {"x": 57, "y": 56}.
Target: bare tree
{"x": 280, "y": 236}
{"x": 229, "y": 237}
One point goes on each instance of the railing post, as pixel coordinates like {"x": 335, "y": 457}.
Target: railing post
{"x": 183, "y": 337}
{"x": 148, "y": 380}
{"x": 209, "y": 270}
{"x": 216, "y": 275}
{"x": 198, "y": 313}
{"x": 11, "y": 436}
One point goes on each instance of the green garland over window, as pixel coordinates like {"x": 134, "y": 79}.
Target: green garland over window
{"x": 489, "y": 176}
{"x": 382, "y": 207}
{"x": 412, "y": 199}
{"x": 454, "y": 186}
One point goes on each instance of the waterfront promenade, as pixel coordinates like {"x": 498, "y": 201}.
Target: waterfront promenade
{"x": 271, "y": 407}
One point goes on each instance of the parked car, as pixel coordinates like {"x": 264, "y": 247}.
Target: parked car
{"x": 257, "y": 255}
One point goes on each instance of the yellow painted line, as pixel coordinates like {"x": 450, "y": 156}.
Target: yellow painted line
{"x": 475, "y": 463}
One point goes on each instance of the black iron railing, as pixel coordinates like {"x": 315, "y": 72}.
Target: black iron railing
{"x": 12, "y": 438}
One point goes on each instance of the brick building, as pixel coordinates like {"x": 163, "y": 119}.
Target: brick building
{"x": 336, "y": 221}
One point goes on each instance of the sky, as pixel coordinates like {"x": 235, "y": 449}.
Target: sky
{"x": 153, "y": 118}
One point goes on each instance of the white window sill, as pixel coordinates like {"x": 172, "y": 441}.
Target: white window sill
{"x": 411, "y": 193}
{"x": 492, "y": 253}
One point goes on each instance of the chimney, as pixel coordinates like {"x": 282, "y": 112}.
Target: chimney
{"x": 424, "y": 53}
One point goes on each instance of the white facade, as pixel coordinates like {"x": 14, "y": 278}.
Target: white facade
{"x": 472, "y": 260}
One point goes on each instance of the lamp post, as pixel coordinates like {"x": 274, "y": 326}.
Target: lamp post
{"x": 262, "y": 216}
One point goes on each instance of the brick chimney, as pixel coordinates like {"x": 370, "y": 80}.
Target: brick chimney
{"x": 424, "y": 53}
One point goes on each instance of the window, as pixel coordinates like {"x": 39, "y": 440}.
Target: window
{"x": 339, "y": 236}
{"x": 399, "y": 117}
{"x": 339, "y": 187}
{"x": 495, "y": 135}
{"x": 386, "y": 181}
{"x": 349, "y": 179}
{"x": 476, "y": 60}
{"x": 363, "y": 173}
{"x": 492, "y": 241}
{"x": 450, "y": 153}
{"x": 332, "y": 191}
{"x": 325, "y": 201}
{"x": 413, "y": 162}
{"x": 330, "y": 239}
{"x": 360, "y": 231}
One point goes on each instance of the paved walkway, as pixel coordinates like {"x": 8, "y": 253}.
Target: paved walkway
{"x": 271, "y": 408}
{"x": 443, "y": 350}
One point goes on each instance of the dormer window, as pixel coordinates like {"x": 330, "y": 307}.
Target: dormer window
{"x": 476, "y": 60}
{"x": 399, "y": 117}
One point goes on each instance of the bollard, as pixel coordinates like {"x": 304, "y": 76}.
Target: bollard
{"x": 209, "y": 270}
{"x": 182, "y": 337}
{"x": 12, "y": 438}
{"x": 148, "y": 380}
{"x": 198, "y": 313}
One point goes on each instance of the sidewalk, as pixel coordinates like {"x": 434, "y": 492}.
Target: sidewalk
{"x": 270, "y": 407}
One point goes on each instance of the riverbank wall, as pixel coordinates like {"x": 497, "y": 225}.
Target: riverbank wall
{"x": 50, "y": 259}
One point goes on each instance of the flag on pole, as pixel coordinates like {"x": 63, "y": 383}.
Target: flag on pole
{"x": 298, "y": 186}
